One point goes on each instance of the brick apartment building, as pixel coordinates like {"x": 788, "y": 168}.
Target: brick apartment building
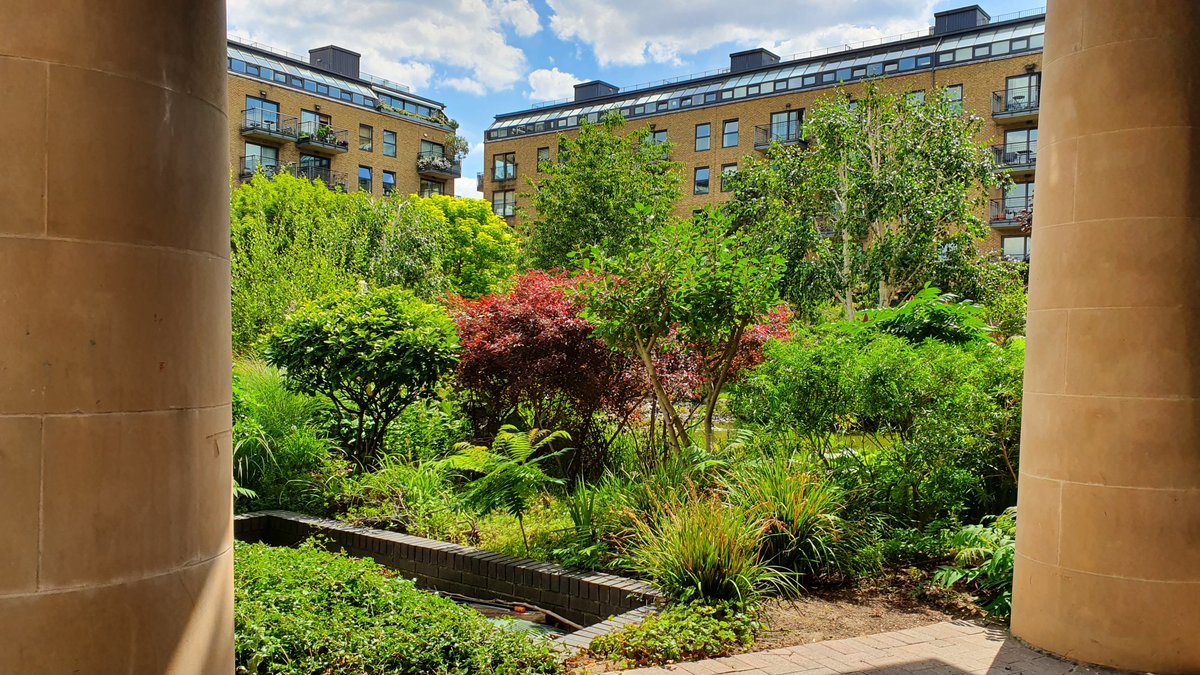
{"x": 716, "y": 119}
{"x": 323, "y": 119}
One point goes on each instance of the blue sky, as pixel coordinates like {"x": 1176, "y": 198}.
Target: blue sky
{"x": 483, "y": 57}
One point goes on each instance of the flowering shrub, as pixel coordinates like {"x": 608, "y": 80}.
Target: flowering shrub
{"x": 530, "y": 353}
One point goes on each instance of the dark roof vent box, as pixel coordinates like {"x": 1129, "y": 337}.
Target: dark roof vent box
{"x": 334, "y": 59}
{"x": 961, "y": 18}
{"x": 751, "y": 59}
{"x": 585, "y": 91}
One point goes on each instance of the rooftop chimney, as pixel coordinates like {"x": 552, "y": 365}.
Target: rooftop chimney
{"x": 959, "y": 19}
{"x": 585, "y": 91}
{"x": 334, "y": 59}
{"x": 751, "y": 59}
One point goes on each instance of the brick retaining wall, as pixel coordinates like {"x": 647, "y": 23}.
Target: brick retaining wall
{"x": 584, "y": 598}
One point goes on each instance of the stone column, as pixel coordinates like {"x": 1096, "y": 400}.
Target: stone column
{"x": 115, "y": 506}
{"x": 1108, "y": 545}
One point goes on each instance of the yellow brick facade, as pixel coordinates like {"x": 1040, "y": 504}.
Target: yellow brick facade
{"x": 978, "y": 79}
{"x": 409, "y": 134}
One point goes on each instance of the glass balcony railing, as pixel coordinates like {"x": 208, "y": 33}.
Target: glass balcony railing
{"x": 434, "y": 162}
{"x": 322, "y": 137}
{"x": 332, "y": 179}
{"x": 1016, "y": 156}
{"x": 268, "y": 124}
{"x": 252, "y": 164}
{"x": 787, "y": 133}
{"x": 502, "y": 173}
{"x": 1011, "y": 211}
{"x": 1016, "y": 101}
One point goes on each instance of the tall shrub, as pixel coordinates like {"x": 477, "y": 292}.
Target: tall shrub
{"x": 371, "y": 354}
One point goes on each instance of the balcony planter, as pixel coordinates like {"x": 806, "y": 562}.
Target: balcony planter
{"x": 435, "y": 163}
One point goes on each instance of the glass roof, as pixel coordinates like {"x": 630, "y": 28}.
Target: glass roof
{"x": 280, "y": 65}
{"x": 829, "y": 63}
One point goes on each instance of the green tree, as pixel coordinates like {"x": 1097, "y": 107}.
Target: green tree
{"x": 586, "y": 198}
{"x": 481, "y": 249}
{"x": 886, "y": 186}
{"x": 371, "y": 354}
{"x": 696, "y": 279}
{"x": 510, "y": 472}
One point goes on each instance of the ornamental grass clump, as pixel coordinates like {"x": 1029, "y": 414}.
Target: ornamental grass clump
{"x": 698, "y": 548}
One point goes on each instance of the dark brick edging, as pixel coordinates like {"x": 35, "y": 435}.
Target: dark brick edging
{"x": 585, "y": 598}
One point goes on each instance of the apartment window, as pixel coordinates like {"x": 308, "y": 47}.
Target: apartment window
{"x": 701, "y": 182}
{"x": 729, "y": 134}
{"x": 1020, "y": 146}
{"x": 543, "y": 156}
{"x": 389, "y": 143}
{"x": 954, "y": 94}
{"x": 785, "y": 126}
{"x": 366, "y": 138}
{"x": 703, "y": 136}
{"x": 727, "y": 170}
{"x": 389, "y": 182}
{"x": 1018, "y": 198}
{"x": 313, "y": 167}
{"x": 432, "y": 187}
{"x": 310, "y": 121}
{"x": 1015, "y": 249}
{"x": 504, "y": 202}
{"x": 1022, "y": 91}
{"x": 504, "y": 167}
{"x": 431, "y": 149}
{"x": 364, "y": 178}
{"x": 658, "y": 136}
{"x": 257, "y": 156}
{"x": 916, "y": 96}
{"x": 261, "y": 113}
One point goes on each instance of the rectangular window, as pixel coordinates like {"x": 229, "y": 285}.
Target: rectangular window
{"x": 916, "y": 96}
{"x": 504, "y": 166}
{"x": 703, "y": 135}
{"x": 729, "y": 134}
{"x": 543, "y": 155}
{"x": 262, "y": 114}
{"x": 658, "y": 136}
{"x": 389, "y": 143}
{"x": 954, "y": 94}
{"x": 431, "y": 149}
{"x": 364, "y": 178}
{"x": 701, "y": 183}
{"x": 260, "y": 156}
{"x": 1016, "y": 249}
{"x": 311, "y": 121}
{"x": 1022, "y": 92}
{"x": 432, "y": 187}
{"x": 785, "y": 126}
{"x": 366, "y": 138}
{"x": 1020, "y": 146}
{"x": 389, "y": 182}
{"x": 727, "y": 170}
{"x": 504, "y": 202}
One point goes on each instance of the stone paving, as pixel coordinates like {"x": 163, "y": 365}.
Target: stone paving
{"x": 947, "y": 648}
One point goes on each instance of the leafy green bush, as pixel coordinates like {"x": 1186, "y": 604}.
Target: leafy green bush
{"x": 304, "y": 610}
{"x": 410, "y": 498}
{"x": 698, "y": 548}
{"x": 932, "y": 315}
{"x": 682, "y": 632}
{"x": 275, "y": 438}
{"x": 427, "y": 430}
{"x": 983, "y": 561}
{"x": 371, "y": 354}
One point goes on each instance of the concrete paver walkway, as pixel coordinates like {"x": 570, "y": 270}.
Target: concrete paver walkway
{"x": 947, "y": 648}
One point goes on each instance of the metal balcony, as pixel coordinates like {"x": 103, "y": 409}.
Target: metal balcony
{"x": 788, "y": 133}
{"x": 332, "y": 179}
{"x": 436, "y": 164}
{"x": 248, "y": 165}
{"x": 1010, "y": 212}
{"x": 322, "y": 138}
{"x": 1019, "y": 104}
{"x": 1018, "y": 158}
{"x": 268, "y": 126}
{"x": 479, "y": 182}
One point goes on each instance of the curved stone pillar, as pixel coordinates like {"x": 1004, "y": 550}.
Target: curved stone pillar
{"x": 115, "y": 507}
{"x": 1108, "y": 546}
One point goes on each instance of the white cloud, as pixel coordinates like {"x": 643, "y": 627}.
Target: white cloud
{"x": 519, "y": 14}
{"x": 466, "y": 84}
{"x": 552, "y": 84}
{"x": 410, "y": 41}
{"x": 465, "y": 187}
{"x": 634, "y": 32}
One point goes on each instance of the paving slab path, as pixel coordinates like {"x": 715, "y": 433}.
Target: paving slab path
{"x": 946, "y": 648}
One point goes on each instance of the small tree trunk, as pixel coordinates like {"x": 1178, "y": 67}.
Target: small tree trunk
{"x": 521, "y": 524}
